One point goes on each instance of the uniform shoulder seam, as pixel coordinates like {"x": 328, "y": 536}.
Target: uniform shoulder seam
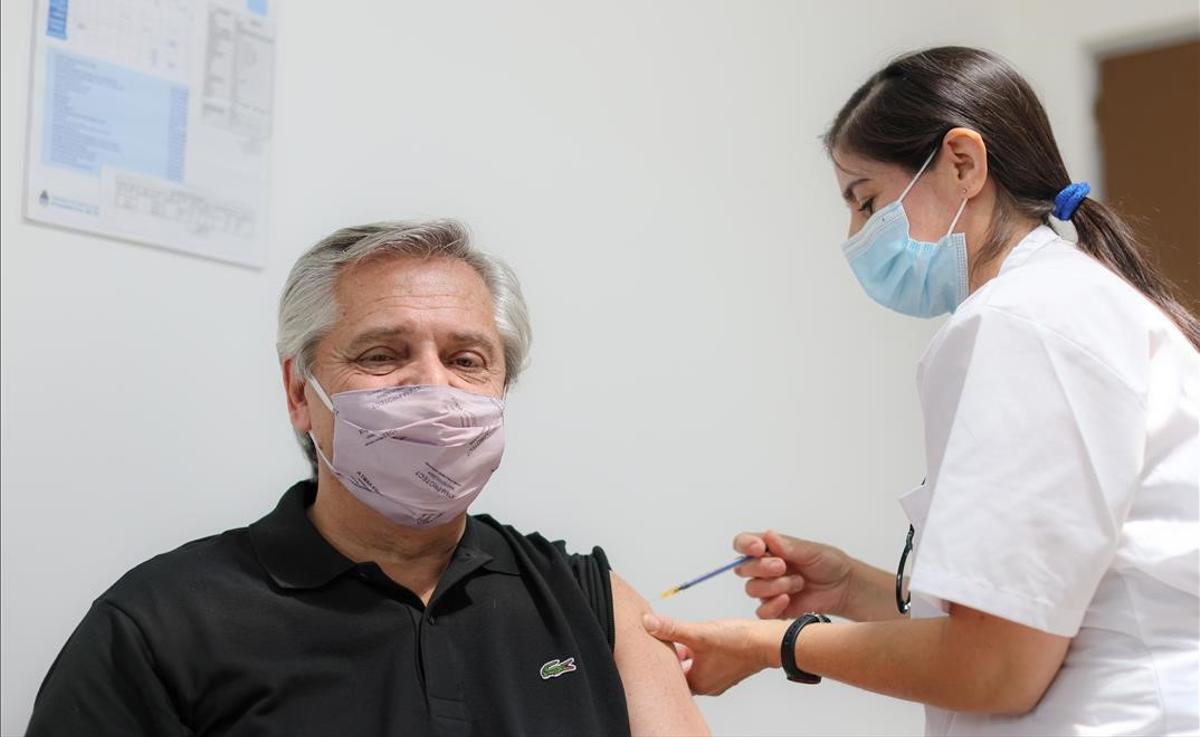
{"x": 1079, "y": 347}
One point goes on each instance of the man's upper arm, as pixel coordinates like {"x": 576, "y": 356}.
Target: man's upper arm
{"x": 104, "y": 683}
{"x": 655, "y": 688}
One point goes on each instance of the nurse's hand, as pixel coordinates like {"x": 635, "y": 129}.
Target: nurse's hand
{"x": 794, "y": 576}
{"x": 722, "y": 652}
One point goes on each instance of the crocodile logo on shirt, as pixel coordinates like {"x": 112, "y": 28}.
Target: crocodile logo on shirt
{"x": 556, "y": 668}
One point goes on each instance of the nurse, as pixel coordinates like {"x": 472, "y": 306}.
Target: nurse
{"x": 1055, "y": 573}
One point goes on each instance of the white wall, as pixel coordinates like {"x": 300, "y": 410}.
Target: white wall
{"x": 704, "y": 361}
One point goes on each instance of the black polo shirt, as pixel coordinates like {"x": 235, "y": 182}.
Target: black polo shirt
{"x": 268, "y": 630}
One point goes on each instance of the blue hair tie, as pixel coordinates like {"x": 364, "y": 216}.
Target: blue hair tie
{"x": 1067, "y": 201}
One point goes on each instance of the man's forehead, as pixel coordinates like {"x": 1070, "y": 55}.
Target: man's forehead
{"x": 400, "y": 293}
{"x": 449, "y": 282}
{"x": 403, "y": 330}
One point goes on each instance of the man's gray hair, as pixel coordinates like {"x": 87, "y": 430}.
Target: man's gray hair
{"x": 308, "y": 308}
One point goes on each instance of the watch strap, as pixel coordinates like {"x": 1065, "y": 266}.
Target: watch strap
{"x": 787, "y": 649}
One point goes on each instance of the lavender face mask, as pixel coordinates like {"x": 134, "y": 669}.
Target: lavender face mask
{"x": 418, "y": 455}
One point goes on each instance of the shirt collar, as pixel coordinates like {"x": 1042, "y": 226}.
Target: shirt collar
{"x": 296, "y": 556}
{"x": 290, "y": 547}
{"x": 1029, "y": 245}
{"x": 484, "y": 539}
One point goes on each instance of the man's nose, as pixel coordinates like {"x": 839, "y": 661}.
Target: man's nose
{"x": 427, "y": 370}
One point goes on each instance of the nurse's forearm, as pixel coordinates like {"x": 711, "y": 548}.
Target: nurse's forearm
{"x": 965, "y": 662}
{"x": 872, "y": 594}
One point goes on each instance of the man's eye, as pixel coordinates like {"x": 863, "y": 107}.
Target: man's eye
{"x": 868, "y": 206}
{"x": 467, "y": 360}
{"x": 377, "y": 358}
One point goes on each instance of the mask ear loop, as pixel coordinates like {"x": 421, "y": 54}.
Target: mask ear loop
{"x": 320, "y": 392}
{"x": 317, "y": 447}
{"x": 957, "y": 215}
{"x": 316, "y": 385}
{"x": 920, "y": 171}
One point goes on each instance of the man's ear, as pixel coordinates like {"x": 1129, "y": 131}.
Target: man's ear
{"x": 297, "y": 401}
{"x": 968, "y": 155}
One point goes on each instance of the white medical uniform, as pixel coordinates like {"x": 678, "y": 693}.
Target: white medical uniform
{"x": 1062, "y": 434}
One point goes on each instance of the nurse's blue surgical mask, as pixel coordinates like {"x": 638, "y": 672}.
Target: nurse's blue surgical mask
{"x": 912, "y": 277}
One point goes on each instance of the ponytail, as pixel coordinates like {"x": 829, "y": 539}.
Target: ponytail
{"x": 1107, "y": 238}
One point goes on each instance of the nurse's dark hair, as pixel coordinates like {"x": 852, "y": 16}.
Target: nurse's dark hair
{"x": 905, "y": 109}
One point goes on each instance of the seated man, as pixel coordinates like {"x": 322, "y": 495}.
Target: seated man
{"x": 368, "y": 602}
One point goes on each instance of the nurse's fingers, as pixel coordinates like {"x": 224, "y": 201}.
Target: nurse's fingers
{"x": 793, "y": 550}
{"x": 684, "y": 654}
{"x": 750, "y": 543}
{"x": 769, "y": 567}
{"x": 783, "y": 545}
{"x": 774, "y": 607}
{"x": 766, "y": 588}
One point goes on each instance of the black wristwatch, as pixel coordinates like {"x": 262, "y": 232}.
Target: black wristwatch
{"x": 787, "y": 649}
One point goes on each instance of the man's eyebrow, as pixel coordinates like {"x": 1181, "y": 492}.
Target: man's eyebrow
{"x": 386, "y": 335}
{"x": 473, "y": 338}
{"x": 848, "y": 192}
{"x": 376, "y": 335}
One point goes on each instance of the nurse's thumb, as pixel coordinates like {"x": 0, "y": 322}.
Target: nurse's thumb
{"x": 664, "y": 628}
{"x": 789, "y": 548}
